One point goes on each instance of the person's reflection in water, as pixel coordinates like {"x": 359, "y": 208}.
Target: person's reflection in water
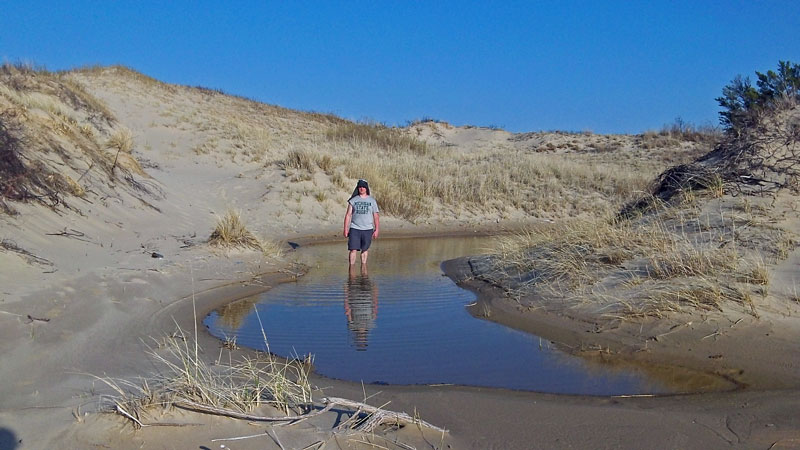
{"x": 360, "y": 305}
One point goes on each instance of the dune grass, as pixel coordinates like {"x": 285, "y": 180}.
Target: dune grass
{"x": 55, "y": 140}
{"x": 231, "y": 232}
{"x": 377, "y": 136}
{"x": 235, "y": 386}
{"x": 408, "y": 185}
{"x": 679, "y": 259}
{"x": 121, "y": 140}
{"x": 187, "y": 380}
{"x": 299, "y": 160}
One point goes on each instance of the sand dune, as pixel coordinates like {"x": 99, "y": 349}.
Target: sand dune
{"x": 112, "y": 183}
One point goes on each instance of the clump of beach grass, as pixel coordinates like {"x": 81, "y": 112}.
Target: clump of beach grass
{"x": 699, "y": 293}
{"x": 230, "y": 232}
{"x": 685, "y": 260}
{"x": 299, "y": 160}
{"x": 757, "y": 273}
{"x": 665, "y": 262}
{"x": 121, "y": 140}
{"x": 235, "y": 388}
{"x": 185, "y": 379}
{"x": 377, "y": 135}
{"x": 564, "y": 258}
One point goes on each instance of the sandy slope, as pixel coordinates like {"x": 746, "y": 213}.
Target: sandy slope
{"x": 89, "y": 296}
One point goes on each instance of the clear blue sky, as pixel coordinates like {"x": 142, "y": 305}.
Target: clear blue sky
{"x": 604, "y": 66}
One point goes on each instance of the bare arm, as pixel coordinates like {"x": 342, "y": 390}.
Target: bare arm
{"x": 347, "y": 217}
{"x": 377, "y": 224}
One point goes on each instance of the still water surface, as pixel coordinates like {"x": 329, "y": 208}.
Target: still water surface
{"x": 403, "y": 322}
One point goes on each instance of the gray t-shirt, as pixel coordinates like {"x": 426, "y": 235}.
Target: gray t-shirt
{"x": 363, "y": 208}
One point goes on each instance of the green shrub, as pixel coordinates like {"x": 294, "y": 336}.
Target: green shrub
{"x": 742, "y": 103}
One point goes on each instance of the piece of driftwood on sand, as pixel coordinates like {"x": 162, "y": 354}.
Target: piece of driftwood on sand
{"x": 378, "y": 416}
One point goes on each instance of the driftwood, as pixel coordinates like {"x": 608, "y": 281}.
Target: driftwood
{"x": 190, "y": 405}
{"x": 377, "y": 416}
{"x": 73, "y": 233}
{"x": 32, "y": 319}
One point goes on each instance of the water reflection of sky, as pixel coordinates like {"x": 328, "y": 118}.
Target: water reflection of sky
{"x": 405, "y": 323}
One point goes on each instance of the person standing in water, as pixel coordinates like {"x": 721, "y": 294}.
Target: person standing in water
{"x": 361, "y": 222}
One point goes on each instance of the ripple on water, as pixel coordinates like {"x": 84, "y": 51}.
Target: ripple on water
{"x": 404, "y": 323}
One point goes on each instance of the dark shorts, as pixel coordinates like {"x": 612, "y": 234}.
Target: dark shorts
{"x": 359, "y": 239}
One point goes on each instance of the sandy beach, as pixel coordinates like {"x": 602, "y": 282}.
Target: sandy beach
{"x": 94, "y": 277}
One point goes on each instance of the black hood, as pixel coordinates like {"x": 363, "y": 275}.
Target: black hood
{"x": 360, "y": 183}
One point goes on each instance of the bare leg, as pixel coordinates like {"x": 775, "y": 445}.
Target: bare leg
{"x": 353, "y": 256}
{"x": 364, "y": 257}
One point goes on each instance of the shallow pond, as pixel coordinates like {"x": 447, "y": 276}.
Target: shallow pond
{"x": 404, "y": 322}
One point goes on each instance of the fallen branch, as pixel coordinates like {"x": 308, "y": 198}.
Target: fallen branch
{"x": 714, "y": 335}
{"x": 190, "y": 405}
{"x": 379, "y": 416}
{"x": 32, "y": 319}
{"x": 73, "y": 233}
{"x": 239, "y": 438}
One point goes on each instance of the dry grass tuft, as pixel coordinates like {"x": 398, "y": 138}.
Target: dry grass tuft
{"x": 235, "y": 387}
{"x": 121, "y": 140}
{"x": 185, "y": 379}
{"x": 271, "y": 248}
{"x": 679, "y": 132}
{"x": 664, "y": 262}
{"x": 701, "y": 293}
{"x": 564, "y": 257}
{"x": 376, "y": 135}
{"x": 299, "y": 160}
{"x": 230, "y": 231}
{"x": 326, "y": 163}
{"x": 684, "y": 259}
{"x": 757, "y": 273}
